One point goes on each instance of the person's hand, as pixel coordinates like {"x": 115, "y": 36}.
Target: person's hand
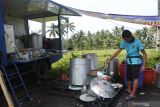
{"x": 106, "y": 77}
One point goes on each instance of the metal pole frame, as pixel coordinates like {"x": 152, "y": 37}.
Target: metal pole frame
{"x": 60, "y": 35}
{"x": 2, "y": 38}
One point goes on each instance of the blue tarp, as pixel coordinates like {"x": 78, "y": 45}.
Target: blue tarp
{"x": 146, "y": 20}
{"x": 138, "y": 19}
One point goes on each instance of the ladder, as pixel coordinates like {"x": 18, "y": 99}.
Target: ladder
{"x": 14, "y": 87}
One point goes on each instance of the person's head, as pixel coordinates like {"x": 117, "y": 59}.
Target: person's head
{"x": 127, "y": 36}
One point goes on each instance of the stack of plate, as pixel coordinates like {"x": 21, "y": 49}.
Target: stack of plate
{"x": 87, "y": 97}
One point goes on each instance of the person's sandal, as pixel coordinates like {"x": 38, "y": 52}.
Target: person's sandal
{"x": 130, "y": 97}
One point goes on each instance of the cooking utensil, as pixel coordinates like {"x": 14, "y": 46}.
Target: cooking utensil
{"x": 94, "y": 60}
{"x": 91, "y": 93}
{"x": 117, "y": 85}
{"x": 79, "y": 68}
{"x": 102, "y": 88}
{"x": 75, "y": 87}
{"x": 87, "y": 98}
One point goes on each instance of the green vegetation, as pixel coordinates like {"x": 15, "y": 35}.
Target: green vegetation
{"x": 106, "y": 39}
{"x": 103, "y": 39}
{"x": 98, "y": 42}
{"x": 62, "y": 66}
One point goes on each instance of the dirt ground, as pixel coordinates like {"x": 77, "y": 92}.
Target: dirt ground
{"x": 55, "y": 93}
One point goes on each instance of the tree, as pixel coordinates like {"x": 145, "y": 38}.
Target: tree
{"x": 79, "y": 39}
{"x": 53, "y": 30}
{"x": 116, "y": 38}
{"x": 66, "y": 26}
{"x": 105, "y": 39}
{"x": 69, "y": 26}
{"x": 89, "y": 38}
{"x": 146, "y": 35}
{"x": 117, "y": 31}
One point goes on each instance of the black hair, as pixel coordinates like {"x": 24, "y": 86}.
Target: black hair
{"x": 127, "y": 34}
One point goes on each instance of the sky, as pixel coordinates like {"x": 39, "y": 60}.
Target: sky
{"x": 127, "y": 7}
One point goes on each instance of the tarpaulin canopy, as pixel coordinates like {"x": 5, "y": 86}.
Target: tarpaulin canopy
{"x": 138, "y": 19}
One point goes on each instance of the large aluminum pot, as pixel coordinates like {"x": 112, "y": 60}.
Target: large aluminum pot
{"x": 102, "y": 88}
{"x": 79, "y": 67}
{"x": 94, "y": 60}
{"x": 112, "y": 68}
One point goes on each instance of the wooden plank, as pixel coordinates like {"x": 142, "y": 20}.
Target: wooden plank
{"x": 5, "y": 91}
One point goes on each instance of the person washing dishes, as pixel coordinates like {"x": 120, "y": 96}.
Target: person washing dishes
{"x": 135, "y": 61}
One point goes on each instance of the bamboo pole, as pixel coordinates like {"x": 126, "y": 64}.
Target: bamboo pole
{"x": 5, "y": 91}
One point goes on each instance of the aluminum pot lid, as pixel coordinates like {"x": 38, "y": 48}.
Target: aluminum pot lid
{"x": 91, "y": 93}
{"x": 87, "y": 98}
{"x": 102, "y": 88}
